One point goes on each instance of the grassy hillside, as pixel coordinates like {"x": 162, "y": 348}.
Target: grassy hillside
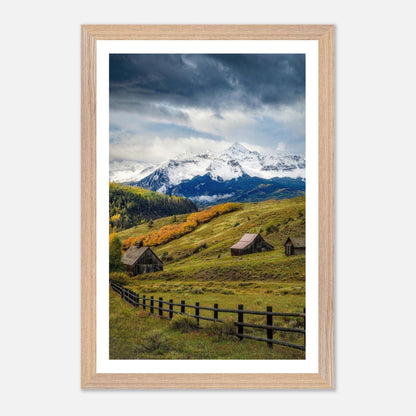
{"x": 136, "y": 335}
{"x": 129, "y": 205}
{"x": 198, "y": 267}
{"x": 204, "y": 254}
{"x": 176, "y": 229}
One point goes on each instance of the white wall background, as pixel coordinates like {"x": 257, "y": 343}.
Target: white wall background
{"x": 40, "y": 208}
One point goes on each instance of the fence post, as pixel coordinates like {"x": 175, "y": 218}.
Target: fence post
{"x": 170, "y": 308}
{"x": 182, "y": 306}
{"x": 144, "y": 302}
{"x": 197, "y": 313}
{"x": 151, "y": 305}
{"x": 304, "y": 327}
{"x": 122, "y": 293}
{"x": 216, "y": 311}
{"x": 240, "y": 320}
{"x": 270, "y": 323}
{"x": 160, "y": 307}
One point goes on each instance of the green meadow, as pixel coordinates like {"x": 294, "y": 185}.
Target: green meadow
{"x": 198, "y": 267}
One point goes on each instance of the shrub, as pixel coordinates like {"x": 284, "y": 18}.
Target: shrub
{"x": 269, "y": 227}
{"x": 142, "y": 314}
{"x": 183, "y": 323}
{"x": 296, "y": 323}
{"x": 222, "y": 329}
{"x": 155, "y": 341}
{"x": 119, "y": 277}
{"x": 199, "y": 247}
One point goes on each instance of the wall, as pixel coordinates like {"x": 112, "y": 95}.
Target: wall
{"x": 40, "y": 171}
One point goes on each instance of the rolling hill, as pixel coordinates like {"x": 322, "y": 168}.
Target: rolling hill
{"x": 204, "y": 254}
{"x": 132, "y": 205}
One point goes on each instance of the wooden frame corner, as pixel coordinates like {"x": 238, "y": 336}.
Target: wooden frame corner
{"x": 324, "y": 379}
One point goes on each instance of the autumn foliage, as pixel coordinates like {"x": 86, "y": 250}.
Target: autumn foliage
{"x": 172, "y": 231}
{"x": 126, "y": 244}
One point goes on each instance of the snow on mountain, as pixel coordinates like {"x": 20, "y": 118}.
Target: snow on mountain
{"x": 232, "y": 164}
{"x": 187, "y": 167}
{"x": 128, "y": 171}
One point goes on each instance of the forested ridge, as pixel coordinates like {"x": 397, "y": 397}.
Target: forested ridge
{"x": 131, "y": 205}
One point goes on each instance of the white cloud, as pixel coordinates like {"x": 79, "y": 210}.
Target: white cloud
{"x": 229, "y": 125}
{"x": 154, "y": 136}
{"x": 281, "y": 147}
{"x": 158, "y": 149}
{"x": 209, "y": 199}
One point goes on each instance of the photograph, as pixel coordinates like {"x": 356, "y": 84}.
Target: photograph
{"x": 207, "y": 206}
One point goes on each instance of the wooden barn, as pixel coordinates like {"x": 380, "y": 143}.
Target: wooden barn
{"x": 250, "y": 243}
{"x": 140, "y": 260}
{"x": 294, "y": 246}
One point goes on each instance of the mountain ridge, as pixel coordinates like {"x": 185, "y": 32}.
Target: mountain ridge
{"x": 236, "y": 174}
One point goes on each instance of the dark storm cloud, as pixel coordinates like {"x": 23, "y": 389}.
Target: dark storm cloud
{"x": 218, "y": 82}
{"x": 162, "y": 104}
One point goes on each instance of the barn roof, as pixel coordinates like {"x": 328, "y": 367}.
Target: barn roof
{"x": 298, "y": 242}
{"x": 133, "y": 254}
{"x": 245, "y": 241}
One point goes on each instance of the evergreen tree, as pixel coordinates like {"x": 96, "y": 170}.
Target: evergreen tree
{"x": 115, "y": 255}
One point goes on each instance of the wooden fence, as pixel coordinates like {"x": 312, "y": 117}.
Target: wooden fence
{"x": 161, "y": 306}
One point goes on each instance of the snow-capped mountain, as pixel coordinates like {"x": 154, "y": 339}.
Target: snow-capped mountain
{"x": 128, "y": 171}
{"x": 233, "y": 163}
{"x": 227, "y": 175}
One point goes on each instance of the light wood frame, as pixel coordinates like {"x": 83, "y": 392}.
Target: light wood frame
{"x": 90, "y": 379}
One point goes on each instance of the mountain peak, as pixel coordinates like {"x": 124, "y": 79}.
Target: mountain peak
{"x": 233, "y": 164}
{"x": 237, "y": 147}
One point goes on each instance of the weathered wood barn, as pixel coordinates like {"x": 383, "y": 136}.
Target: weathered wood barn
{"x": 140, "y": 260}
{"x": 250, "y": 243}
{"x": 294, "y": 246}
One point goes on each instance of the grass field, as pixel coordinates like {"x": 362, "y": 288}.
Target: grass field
{"x": 135, "y": 335}
{"x": 198, "y": 267}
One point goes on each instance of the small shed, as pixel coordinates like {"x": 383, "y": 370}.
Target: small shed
{"x": 140, "y": 260}
{"x": 250, "y": 243}
{"x": 294, "y": 246}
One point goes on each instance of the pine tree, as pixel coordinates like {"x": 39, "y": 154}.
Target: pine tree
{"x": 115, "y": 255}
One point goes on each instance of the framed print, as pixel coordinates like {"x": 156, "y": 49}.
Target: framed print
{"x": 207, "y": 169}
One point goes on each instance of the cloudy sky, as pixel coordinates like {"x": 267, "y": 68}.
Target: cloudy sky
{"x": 163, "y": 105}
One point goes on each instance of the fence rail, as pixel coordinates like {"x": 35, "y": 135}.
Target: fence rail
{"x": 153, "y": 305}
